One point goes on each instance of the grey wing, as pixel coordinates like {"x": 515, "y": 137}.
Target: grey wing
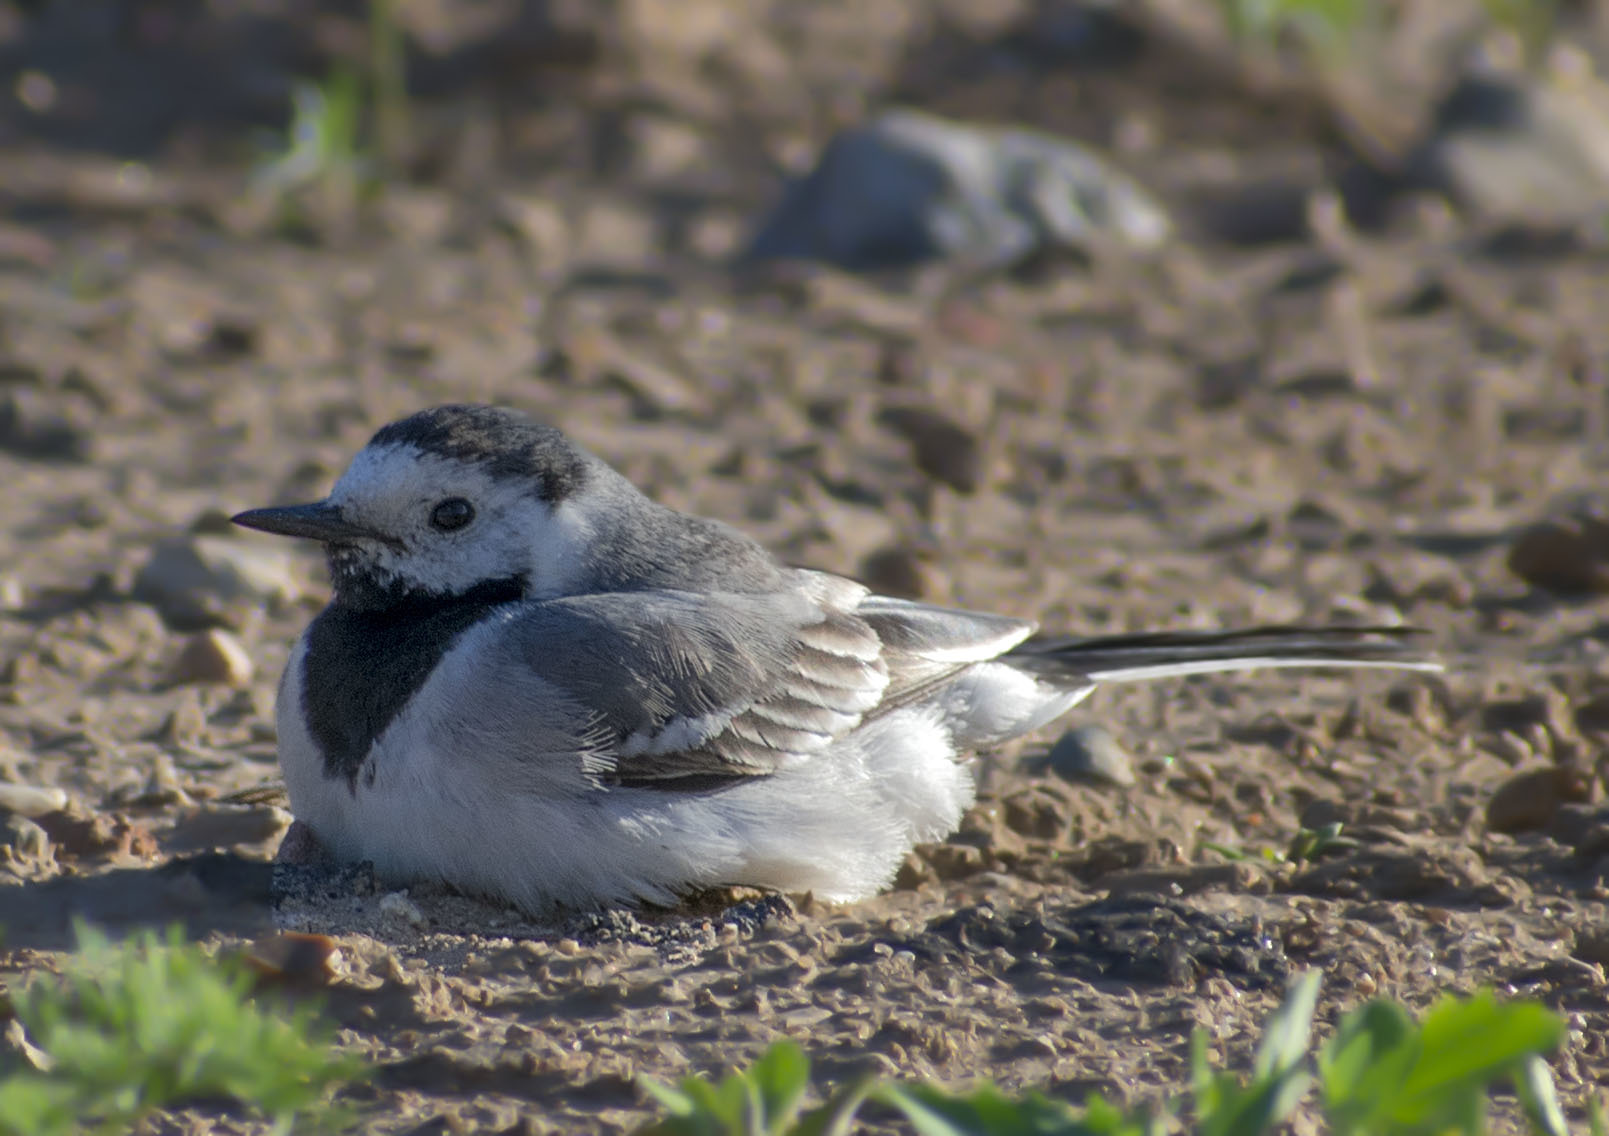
{"x": 927, "y": 647}
{"x": 684, "y": 687}
{"x": 696, "y": 685}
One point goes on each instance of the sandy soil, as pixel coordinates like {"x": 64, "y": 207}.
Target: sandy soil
{"x": 1339, "y": 426}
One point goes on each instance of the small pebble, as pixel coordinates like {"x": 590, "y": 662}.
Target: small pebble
{"x": 213, "y": 656}
{"x": 191, "y": 581}
{"x": 1529, "y": 799}
{"x": 31, "y": 801}
{"x": 895, "y": 571}
{"x": 300, "y": 847}
{"x": 1036, "y": 815}
{"x": 943, "y": 449}
{"x": 1569, "y": 556}
{"x": 1091, "y": 754}
{"x": 12, "y": 596}
{"x": 295, "y": 957}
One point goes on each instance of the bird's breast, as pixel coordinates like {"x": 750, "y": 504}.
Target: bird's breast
{"x": 360, "y": 666}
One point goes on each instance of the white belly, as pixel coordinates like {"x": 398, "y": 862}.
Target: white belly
{"x": 479, "y": 809}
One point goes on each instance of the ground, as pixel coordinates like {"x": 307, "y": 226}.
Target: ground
{"x": 1332, "y": 425}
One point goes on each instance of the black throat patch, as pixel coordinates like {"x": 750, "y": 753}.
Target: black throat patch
{"x": 363, "y": 663}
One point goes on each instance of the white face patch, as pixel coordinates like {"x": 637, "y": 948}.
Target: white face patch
{"x": 393, "y": 490}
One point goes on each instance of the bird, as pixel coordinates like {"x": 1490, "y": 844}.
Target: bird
{"x": 534, "y": 683}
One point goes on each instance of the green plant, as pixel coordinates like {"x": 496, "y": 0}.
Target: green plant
{"x": 1226, "y": 1106}
{"x": 154, "y": 1022}
{"x": 1311, "y": 843}
{"x": 1318, "y": 22}
{"x": 767, "y": 1099}
{"x": 344, "y": 134}
{"x": 1329, "y": 28}
{"x": 1308, "y": 844}
{"x": 322, "y": 158}
{"x": 1381, "y": 1074}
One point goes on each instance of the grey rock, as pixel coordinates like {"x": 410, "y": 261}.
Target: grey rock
{"x": 226, "y": 826}
{"x": 908, "y": 187}
{"x": 213, "y": 656}
{"x": 1529, "y": 150}
{"x": 1091, "y": 754}
{"x": 31, "y": 800}
{"x": 191, "y": 581}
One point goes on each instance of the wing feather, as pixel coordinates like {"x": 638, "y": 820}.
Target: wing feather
{"x": 683, "y": 687}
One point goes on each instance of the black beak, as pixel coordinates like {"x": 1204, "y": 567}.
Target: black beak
{"x": 319, "y": 521}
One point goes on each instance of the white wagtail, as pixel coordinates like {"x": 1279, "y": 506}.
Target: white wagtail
{"x": 534, "y": 683}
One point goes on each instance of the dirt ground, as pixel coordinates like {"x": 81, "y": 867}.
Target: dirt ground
{"x": 1337, "y": 424}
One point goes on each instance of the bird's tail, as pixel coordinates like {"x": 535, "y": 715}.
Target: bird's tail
{"x": 1165, "y": 654}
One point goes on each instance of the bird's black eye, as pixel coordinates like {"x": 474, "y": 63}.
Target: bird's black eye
{"x": 452, "y": 514}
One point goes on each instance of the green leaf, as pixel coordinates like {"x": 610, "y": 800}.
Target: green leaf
{"x": 1467, "y": 1043}
{"x": 154, "y": 1022}
{"x": 781, "y": 1075}
{"x": 764, "y": 1100}
{"x": 32, "y": 1105}
{"x": 983, "y": 1112}
{"x": 1382, "y": 1073}
{"x": 1280, "y": 1078}
{"x": 930, "y": 1113}
{"x": 1362, "y": 1068}
{"x": 1533, "y": 1083}
{"x": 1289, "y": 1029}
{"x": 672, "y": 1099}
{"x": 836, "y": 1116}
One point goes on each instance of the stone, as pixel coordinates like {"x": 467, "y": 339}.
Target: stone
{"x": 226, "y": 826}
{"x": 1569, "y": 556}
{"x": 292, "y": 957}
{"x": 31, "y": 801}
{"x": 1528, "y": 149}
{"x": 1092, "y": 755}
{"x": 214, "y": 657}
{"x": 1529, "y": 799}
{"x": 908, "y": 187}
{"x": 897, "y": 571}
{"x": 193, "y": 579}
{"x": 944, "y": 450}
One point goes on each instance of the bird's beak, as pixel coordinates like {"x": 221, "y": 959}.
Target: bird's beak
{"x": 319, "y": 521}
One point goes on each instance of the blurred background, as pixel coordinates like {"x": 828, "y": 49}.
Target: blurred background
{"x": 1117, "y": 315}
{"x": 636, "y": 134}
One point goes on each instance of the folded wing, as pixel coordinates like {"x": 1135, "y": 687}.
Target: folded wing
{"x": 684, "y": 687}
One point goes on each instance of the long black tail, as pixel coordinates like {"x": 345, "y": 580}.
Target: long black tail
{"x": 1164, "y": 654}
